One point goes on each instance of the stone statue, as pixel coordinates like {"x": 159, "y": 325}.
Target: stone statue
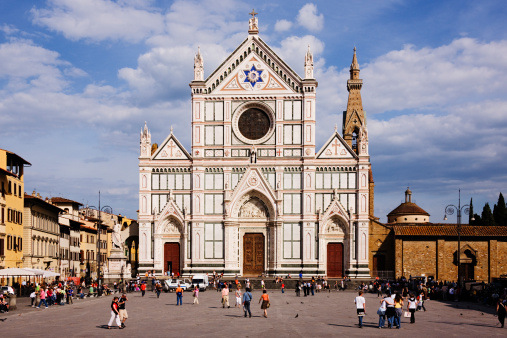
{"x": 116, "y": 236}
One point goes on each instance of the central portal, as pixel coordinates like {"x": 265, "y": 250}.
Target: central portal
{"x": 253, "y": 254}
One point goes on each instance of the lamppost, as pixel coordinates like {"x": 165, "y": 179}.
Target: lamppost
{"x": 107, "y": 209}
{"x": 449, "y": 210}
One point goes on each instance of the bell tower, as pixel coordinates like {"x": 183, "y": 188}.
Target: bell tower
{"x": 354, "y": 120}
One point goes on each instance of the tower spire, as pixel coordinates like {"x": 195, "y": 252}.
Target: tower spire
{"x": 354, "y": 120}
{"x": 198, "y": 66}
{"x": 308, "y": 64}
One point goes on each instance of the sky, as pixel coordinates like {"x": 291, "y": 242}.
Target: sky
{"x": 78, "y": 79}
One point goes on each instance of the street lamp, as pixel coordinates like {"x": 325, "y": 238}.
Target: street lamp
{"x": 107, "y": 209}
{"x": 449, "y": 210}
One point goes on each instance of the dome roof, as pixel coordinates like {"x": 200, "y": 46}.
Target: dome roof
{"x": 408, "y": 208}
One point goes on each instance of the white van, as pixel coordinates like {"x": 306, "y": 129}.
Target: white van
{"x": 201, "y": 281}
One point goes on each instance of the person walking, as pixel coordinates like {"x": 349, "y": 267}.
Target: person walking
{"x": 389, "y": 309}
{"x": 298, "y": 289}
{"x": 238, "y": 297}
{"x": 262, "y": 284}
{"x": 398, "y": 308}
{"x": 122, "y": 311}
{"x": 143, "y": 288}
{"x": 196, "y": 295}
{"x": 265, "y": 302}
{"x": 247, "y": 298}
{"x": 114, "y": 314}
{"x": 42, "y": 295}
{"x": 382, "y": 314}
{"x": 32, "y": 297}
{"x": 411, "y": 307}
{"x": 225, "y": 296}
{"x": 360, "y": 307}
{"x": 501, "y": 311}
{"x": 283, "y": 287}
{"x": 158, "y": 289}
{"x": 421, "y": 302}
{"x": 179, "y": 295}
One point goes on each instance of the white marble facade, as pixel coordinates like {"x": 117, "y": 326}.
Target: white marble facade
{"x": 253, "y": 195}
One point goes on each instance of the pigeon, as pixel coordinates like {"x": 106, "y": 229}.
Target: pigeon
{"x": 3, "y": 320}
{"x": 297, "y": 315}
{"x": 461, "y": 314}
{"x": 302, "y": 302}
{"x": 482, "y": 314}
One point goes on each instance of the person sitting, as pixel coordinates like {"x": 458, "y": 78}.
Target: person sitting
{"x": 4, "y": 306}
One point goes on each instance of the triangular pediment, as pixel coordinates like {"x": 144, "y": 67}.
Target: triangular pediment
{"x": 335, "y": 209}
{"x": 171, "y": 149}
{"x": 336, "y": 147}
{"x": 252, "y": 184}
{"x": 170, "y": 210}
{"x": 253, "y": 68}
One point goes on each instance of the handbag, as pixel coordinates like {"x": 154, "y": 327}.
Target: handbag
{"x": 406, "y": 314}
{"x": 268, "y": 305}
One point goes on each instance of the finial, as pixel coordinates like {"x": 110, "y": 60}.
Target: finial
{"x": 171, "y": 129}
{"x": 335, "y": 127}
{"x": 253, "y": 26}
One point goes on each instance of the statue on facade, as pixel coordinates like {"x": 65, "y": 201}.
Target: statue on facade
{"x": 116, "y": 236}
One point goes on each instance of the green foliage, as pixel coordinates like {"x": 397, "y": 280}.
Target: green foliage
{"x": 500, "y": 211}
{"x": 487, "y": 215}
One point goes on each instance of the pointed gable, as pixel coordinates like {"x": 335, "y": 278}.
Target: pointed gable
{"x": 253, "y": 67}
{"x": 171, "y": 149}
{"x": 336, "y": 147}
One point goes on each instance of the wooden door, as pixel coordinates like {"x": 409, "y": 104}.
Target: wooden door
{"x": 172, "y": 258}
{"x": 253, "y": 254}
{"x": 335, "y": 260}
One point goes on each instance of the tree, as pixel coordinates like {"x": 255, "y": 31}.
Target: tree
{"x": 471, "y": 213}
{"x": 500, "y": 211}
{"x": 487, "y": 215}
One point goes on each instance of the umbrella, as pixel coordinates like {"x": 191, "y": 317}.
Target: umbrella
{"x": 18, "y": 272}
{"x": 44, "y": 273}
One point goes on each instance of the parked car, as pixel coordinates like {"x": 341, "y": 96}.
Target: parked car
{"x": 201, "y": 281}
{"x": 7, "y": 289}
{"x": 171, "y": 284}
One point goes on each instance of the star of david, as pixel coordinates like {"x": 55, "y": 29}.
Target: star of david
{"x": 253, "y": 76}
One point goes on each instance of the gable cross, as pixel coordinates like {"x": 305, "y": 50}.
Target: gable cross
{"x": 253, "y": 13}
{"x": 279, "y": 152}
{"x": 171, "y": 146}
{"x": 335, "y": 145}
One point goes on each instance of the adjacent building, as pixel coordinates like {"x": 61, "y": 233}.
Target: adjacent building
{"x": 11, "y": 209}
{"x": 253, "y": 195}
{"x": 41, "y": 235}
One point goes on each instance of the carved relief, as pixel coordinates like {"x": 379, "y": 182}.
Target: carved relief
{"x": 169, "y": 227}
{"x": 253, "y": 208}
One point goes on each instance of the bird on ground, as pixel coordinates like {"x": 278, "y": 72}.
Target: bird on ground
{"x": 302, "y": 302}
{"x": 3, "y": 320}
{"x": 297, "y": 315}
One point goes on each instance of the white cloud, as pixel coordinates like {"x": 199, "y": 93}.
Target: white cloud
{"x": 283, "y": 25}
{"x": 293, "y": 49}
{"x": 309, "y": 18}
{"x": 100, "y": 19}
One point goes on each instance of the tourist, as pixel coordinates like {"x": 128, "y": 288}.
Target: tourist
{"x": 70, "y": 293}
{"x": 398, "y": 308}
{"x": 411, "y": 307}
{"x": 114, "y": 314}
{"x": 179, "y": 295}
{"x": 196, "y": 295}
{"x": 389, "y": 309}
{"x": 421, "y": 306}
{"x": 382, "y": 314}
{"x": 360, "y": 307}
{"x": 225, "y": 296}
{"x": 32, "y": 298}
{"x": 122, "y": 311}
{"x": 247, "y": 298}
{"x": 4, "y": 306}
{"x": 283, "y": 287}
{"x": 298, "y": 289}
{"x": 143, "y": 288}
{"x": 238, "y": 297}
{"x": 500, "y": 311}
{"x": 262, "y": 284}
{"x": 158, "y": 289}
{"x": 42, "y": 294}
{"x": 265, "y": 302}
{"x": 379, "y": 290}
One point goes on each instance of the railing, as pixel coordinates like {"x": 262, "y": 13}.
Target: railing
{"x": 383, "y": 274}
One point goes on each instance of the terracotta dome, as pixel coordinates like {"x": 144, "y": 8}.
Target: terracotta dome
{"x": 408, "y": 212}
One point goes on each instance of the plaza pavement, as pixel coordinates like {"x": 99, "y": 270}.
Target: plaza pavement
{"x": 323, "y": 315}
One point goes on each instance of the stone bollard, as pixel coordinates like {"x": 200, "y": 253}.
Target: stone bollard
{"x": 12, "y": 302}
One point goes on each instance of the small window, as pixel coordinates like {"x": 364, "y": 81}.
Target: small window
{"x": 9, "y": 242}
{"x": 19, "y": 189}
{"x": 15, "y": 189}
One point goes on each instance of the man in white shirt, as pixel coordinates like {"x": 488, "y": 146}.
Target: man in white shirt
{"x": 361, "y": 307}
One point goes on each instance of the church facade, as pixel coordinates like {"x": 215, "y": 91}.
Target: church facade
{"x": 254, "y": 196}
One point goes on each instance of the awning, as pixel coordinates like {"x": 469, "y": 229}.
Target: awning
{"x": 18, "y": 272}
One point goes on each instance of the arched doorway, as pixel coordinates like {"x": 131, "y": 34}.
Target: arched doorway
{"x": 335, "y": 259}
{"x": 253, "y": 254}
{"x": 171, "y": 258}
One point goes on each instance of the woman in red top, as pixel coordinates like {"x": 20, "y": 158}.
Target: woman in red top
{"x": 265, "y": 302}
{"x": 114, "y": 314}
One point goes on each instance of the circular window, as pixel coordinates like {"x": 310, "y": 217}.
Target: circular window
{"x": 253, "y": 123}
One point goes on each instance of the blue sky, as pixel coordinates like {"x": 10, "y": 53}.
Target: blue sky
{"x": 79, "y": 78}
